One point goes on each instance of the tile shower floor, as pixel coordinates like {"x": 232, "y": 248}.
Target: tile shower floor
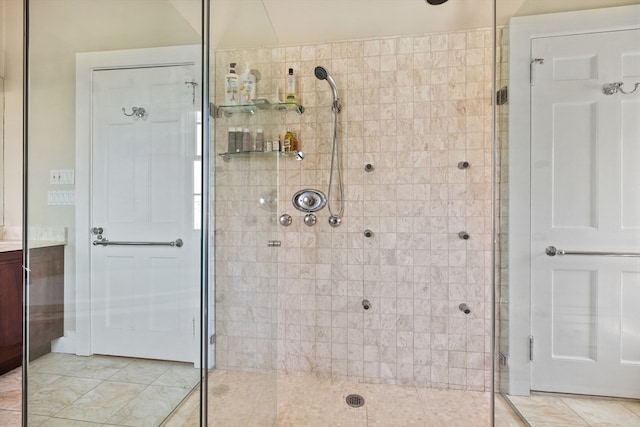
{"x": 71, "y": 391}
{"x": 238, "y": 399}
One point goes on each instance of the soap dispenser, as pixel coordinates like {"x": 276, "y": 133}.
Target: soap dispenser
{"x": 231, "y": 93}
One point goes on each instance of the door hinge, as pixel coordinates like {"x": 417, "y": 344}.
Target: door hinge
{"x": 531, "y": 348}
{"x": 502, "y": 95}
{"x": 193, "y": 326}
{"x": 502, "y": 359}
{"x": 212, "y": 339}
{"x": 532, "y": 79}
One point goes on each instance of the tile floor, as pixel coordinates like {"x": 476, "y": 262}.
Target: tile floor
{"x": 73, "y": 391}
{"x": 551, "y": 410}
{"x": 249, "y": 400}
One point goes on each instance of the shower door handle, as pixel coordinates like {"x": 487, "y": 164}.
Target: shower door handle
{"x": 553, "y": 251}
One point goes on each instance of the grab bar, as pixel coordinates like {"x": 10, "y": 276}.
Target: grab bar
{"x": 104, "y": 242}
{"x": 553, "y": 251}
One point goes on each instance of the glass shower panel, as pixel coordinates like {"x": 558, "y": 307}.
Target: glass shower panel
{"x": 246, "y": 160}
{"x": 567, "y": 337}
{"x": 113, "y": 212}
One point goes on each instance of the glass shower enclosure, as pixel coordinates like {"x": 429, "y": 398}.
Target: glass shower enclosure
{"x": 116, "y": 305}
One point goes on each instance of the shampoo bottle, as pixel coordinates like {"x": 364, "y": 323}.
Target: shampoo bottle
{"x": 231, "y": 92}
{"x": 247, "y": 86}
{"x": 291, "y": 87}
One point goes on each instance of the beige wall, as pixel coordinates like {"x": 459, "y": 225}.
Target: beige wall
{"x": 12, "y": 27}
{"x": 59, "y": 30}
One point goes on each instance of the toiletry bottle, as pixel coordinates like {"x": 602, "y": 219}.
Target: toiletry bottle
{"x": 246, "y": 140}
{"x": 291, "y": 87}
{"x": 259, "y": 141}
{"x": 231, "y": 93}
{"x": 288, "y": 143}
{"x": 231, "y": 147}
{"x": 238, "y": 139}
{"x": 247, "y": 86}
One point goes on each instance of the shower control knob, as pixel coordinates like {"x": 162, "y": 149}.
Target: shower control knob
{"x": 368, "y": 167}
{"x": 463, "y": 165}
{"x": 334, "y": 221}
{"x": 463, "y": 235}
{"x": 285, "y": 220}
{"x": 310, "y": 219}
{"x": 368, "y": 233}
{"x": 366, "y": 304}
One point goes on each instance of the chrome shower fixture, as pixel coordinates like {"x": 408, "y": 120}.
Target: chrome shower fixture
{"x": 322, "y": 74}
{"x": 335, "y": 218}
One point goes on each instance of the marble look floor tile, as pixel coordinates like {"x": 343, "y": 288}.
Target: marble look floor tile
{"x": 179, "y": 375}
{"x": 53, "y": 397}
{"x": 141, "y": 372}
{"x": 38, "y": 380}
{"x": 57, "y": 363}
{"x": 541, "y": 410}
{"x": 633, "y": 406}
{"x": 603, "y": 413}
{"x": 11, "y": 400}
{"x": 186, "y": 412}
{"x": 10, "y": 418}
{"x": 101, "y": 403}
{"x": 11, "y": 391}
{"x": 37, "y": 420}
{"x": 11, "y": 380}
{"x": 505, "y": 416}
{"x": 100, "y": 367}
{"x": 61, "y": 422}
{"x": 150, "y": 407}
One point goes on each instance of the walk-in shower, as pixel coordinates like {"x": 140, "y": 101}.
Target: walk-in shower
{"x": 335, "y": 218}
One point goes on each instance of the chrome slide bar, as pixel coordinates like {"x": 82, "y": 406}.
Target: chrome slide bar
{"x": 104, "y": 242}
{"x": 553, "y": 251}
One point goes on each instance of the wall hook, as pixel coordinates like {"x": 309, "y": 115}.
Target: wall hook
{"x": 135, "y": 112}
{"x": 612, "y": 88}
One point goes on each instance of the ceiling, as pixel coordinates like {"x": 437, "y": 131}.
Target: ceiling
{"x": 109, "y": 24}
{"x": 252, "y": 23}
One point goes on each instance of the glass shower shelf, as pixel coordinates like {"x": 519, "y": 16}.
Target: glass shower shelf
{"x": 257, "y": 104}
{"x": 244, "y": 154}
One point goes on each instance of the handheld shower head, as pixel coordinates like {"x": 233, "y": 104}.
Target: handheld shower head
{"x": 322, "y": 74}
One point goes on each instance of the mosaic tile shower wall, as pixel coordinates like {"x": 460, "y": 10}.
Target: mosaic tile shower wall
{"x": 413, "y": 108}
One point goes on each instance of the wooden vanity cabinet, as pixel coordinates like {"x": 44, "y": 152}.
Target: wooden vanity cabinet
{"x": 46, "y": 303}
{"x": 46, "y": 299}
{"x": 10, "y": 310}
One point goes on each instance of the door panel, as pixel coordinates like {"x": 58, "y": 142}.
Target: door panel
{"x": 585, "y": 197}
{"x": 144, "y": 298}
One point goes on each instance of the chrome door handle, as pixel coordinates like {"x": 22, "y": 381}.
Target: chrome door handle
{"x": 178, "y": 243}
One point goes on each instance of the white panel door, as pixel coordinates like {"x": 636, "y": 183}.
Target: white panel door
{"x": 585, "y": 190}
{"x": 145, "y": 299}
